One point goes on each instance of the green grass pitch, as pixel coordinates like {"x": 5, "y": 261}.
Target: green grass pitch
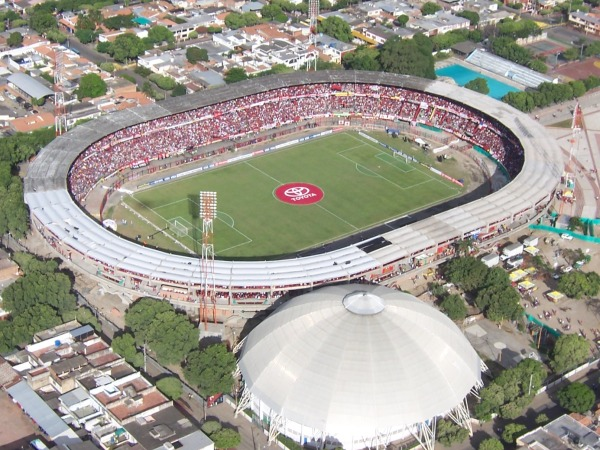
{"x": 363, "y": 185}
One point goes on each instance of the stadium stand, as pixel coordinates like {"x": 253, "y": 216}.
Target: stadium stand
{"x": 507, "y": 69}
{"x": 98, "y": 151}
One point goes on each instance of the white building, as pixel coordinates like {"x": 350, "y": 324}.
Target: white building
{"x": 357, "y": 365}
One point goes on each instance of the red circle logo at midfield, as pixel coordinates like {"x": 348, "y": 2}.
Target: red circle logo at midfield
{"x": 299, "y": 193}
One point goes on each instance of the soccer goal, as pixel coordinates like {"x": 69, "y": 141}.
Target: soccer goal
{"x": 178, "y": 228}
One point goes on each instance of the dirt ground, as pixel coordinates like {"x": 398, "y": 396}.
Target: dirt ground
{"x": 578, "y": 70}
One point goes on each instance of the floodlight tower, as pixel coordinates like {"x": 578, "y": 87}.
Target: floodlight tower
{"x": 60, "y": 116}
{"x": 313, "y": 15}
{"x": 208, "y": 212}
{"x": 576, "y": 127}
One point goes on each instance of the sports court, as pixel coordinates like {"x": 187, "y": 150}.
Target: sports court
{"x": 545, "y": 47}
{"x": 311, "y": 193}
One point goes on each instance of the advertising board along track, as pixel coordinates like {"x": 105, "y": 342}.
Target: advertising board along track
{"x": 57, "y": 216}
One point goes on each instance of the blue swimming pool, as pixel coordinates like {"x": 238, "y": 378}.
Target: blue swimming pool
{"x": 462, "y": 76}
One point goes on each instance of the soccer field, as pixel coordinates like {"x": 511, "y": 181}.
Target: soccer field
{"x": 358, "y": 184}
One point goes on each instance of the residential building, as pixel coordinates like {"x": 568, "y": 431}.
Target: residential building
{"x": 588, "y": 22}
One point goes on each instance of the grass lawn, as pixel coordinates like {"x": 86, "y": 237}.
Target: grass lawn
{"x": 363, "y": 185}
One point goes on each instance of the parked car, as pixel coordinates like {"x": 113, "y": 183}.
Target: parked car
{"x": 566, "y": 269}
{"x": 566, "y": 237}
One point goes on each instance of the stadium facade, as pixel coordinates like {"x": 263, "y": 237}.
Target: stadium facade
{"x": 57, "y": 214}
{"x": 357, "y": 365}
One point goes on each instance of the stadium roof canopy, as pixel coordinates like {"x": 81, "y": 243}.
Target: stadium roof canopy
{"x": 30, "y": 86}
{"x": 354, "y": 360}
{"x": 507, "y": 69}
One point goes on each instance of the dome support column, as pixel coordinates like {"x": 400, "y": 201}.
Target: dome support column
{"x": 460, "y": 415}
{"x": 426, "y": 434}
{"x": 244, "y": 401}
{"x": 275, "y": 423}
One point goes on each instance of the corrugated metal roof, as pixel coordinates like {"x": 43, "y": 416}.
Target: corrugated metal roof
{"x": 30, "y": 86}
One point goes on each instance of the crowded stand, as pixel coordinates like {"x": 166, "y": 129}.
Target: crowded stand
{"x": 214, "y": 123}
{"x": 138, "y": 145}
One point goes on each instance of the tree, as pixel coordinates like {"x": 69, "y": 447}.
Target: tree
{"x": 85, "y": 315}
{"x": 42, "y": 22}
{"x": 449, "y": 433}
{"x": 478, "y": 85}
{"x": 226, "y": 438}
{"x": 337, "y": 28}
{"x": 171, "y": 336}
{"x": 171, "y": 387}
{"x": 468, "y": 273}
{"x": 105, "y": 47}
{"x": 576, "y": 397}
{"x": 178, "y": 90}
{"x": 127, "y": 46}
{"x": 575, "y": 223}
{"x": 56, "y": 36}
{"x": 471, "y": 15}
{"x": 159, "y": 33}
{"x": 363, "y": 58}
{"x": 15, "y": 39}
{"x": 408, "y": 56}
{"x": 162, "y": 81}
{"x": 538, "y": 66}
{"x": 124, "y": 345}
{"x": 578, "y": 284}
{"x": 86, "y": 36}
{"x": 271, "y": 11}
{"x": 210, "y": 427}
{"x": 541, "y": 419}
{"x": 402, "y": 20}
{"x": 195, "y": 54}
{"x": 430, "y": 8}
{"x": 235, "y": 74}
{"x": 512, "y": 431}
{"x": 499, "y": 303}
{"x": 119, "y": 21}
{"x": 491, "y": 444}
{"x": 569, "y": 351}
{"x": 211, "y": 369}
{"x": 454, "y": 306}
{"x": 91, "y": 86}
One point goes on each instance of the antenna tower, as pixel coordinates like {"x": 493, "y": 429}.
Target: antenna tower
{"x": 208, "y": 212}
{"x": 313, "y": 15}
{"x": 60, "y": 115}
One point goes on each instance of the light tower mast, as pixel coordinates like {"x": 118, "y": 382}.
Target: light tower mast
{"x": 60, "y": 116}
{"x": 313, "y": 15}
{"x": 576, "y": 127}
{"x": 208, "y": 212}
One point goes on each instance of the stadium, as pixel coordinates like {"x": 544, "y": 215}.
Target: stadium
{"x": 357, "y": 366}
{"x": 99, "y": 153}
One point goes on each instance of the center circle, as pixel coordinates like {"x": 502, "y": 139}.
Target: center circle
{"x": 299, "y": 193}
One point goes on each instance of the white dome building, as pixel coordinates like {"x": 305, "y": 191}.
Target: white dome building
{"x": 357, "y": 365}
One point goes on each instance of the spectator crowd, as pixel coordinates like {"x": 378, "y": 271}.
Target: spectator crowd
{"x": 137, "y": 145}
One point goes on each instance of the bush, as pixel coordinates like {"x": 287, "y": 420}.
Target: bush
{"x": 107, "y": 67}
{"x": 142, "y": 71}
{"x": 166, "y": 83}
{"x": 211, "y": 426}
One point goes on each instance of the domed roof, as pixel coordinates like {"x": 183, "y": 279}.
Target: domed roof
{"x": 358, "y": 358}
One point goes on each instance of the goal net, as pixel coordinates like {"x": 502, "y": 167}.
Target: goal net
{"x": 178, "y": 228}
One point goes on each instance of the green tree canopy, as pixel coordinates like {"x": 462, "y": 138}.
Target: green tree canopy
{"x": 226, "y": 438}
{"x": 235, "y": 74}
{"x": 42, "y": 22}
{"x": 449, "y": 433}
{"x": 512, "y": 431}
{"x": 576, "y": 397}
{"x": 211, "y": 426}
{"x": 15, "y": 39}
{"x": 454, "y": 306}
{"x": 124, "y": 345}
{"x": 430, "y": 8}
{"x": 472, "y": 16}
{"x": 363, "y": 58}
{"x": 578, "y": 284}
{"x": 127, "y": 46}
{"x": 402, "y": 20}
{"x": 166, "y": 332}
{"x": 196, "y": 54}
{"x": 569, "y": 351}
{"x": 468, "y": 273}
{"x": 159, "y": 33}
{"x": 408, "y": 56}
{"x": 490, "y": 444}
{"x": 119, "y": 21}
{"x": 478, "y": 85}
{"x": 171, "y": 387}
{"x": 337, "y": 28}
{"x": 211, "y": 369}
{"x": 91, "y": 85}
